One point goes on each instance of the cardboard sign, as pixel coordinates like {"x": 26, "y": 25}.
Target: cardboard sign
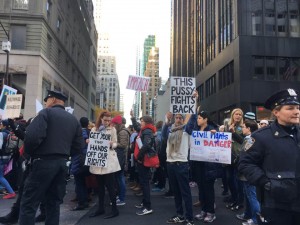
{"x": 7, "y": 90}
{"x": 211, "y": 147}
{"x": 97, "y": 151}
{"x": 182, "y": 101}
{"x": 138, "y": 83}
{"x": 13, "y": 106}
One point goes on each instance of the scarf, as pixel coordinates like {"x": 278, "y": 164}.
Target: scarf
{"x": 175, "y": 137}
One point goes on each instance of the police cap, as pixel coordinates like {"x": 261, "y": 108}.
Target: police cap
{"x": 55, "y": 94}
{"x": 284, "y": 97}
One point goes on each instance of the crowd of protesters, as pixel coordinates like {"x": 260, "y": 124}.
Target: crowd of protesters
{"x": 260, "y": 191}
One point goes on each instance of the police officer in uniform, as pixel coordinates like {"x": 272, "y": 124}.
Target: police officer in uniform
{"x": 51, "y": 137}
{"x": 272, "y": 161}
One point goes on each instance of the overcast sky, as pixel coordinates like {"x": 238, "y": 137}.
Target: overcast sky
{"x": 129, "y": 22}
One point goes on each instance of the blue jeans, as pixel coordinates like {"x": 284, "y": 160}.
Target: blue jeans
{"x": 178, "y": 173}
{"x": 252, "y": 204}
{"x": 3, "y": 181}
{"x": 121, "y": 185}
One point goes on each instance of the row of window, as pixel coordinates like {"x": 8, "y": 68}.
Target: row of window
{"x": 272, "y": 68}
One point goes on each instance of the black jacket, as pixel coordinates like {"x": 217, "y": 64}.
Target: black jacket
{"x": 53, "y": 133}
{"x": 274, "y": 157}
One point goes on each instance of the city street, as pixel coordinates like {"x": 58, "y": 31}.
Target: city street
{"x": 163, "y": 209}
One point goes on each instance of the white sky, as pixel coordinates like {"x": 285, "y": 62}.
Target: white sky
{"x": 129, "y": 22}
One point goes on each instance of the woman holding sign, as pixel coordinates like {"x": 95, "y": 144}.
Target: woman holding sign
{"x": 205, "y": 172}
{"x": 106, "y": 171}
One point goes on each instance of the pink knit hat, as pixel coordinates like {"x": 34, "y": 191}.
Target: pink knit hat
{"x": 117, "y": 120}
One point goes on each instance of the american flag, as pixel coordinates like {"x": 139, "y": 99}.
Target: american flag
{"x": 290, "y": 69}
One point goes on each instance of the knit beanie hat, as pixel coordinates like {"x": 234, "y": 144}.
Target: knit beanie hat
{"x": 249, "y": 116}
{"x": 117, "y": 120}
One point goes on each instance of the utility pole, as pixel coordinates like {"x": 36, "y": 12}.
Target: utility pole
{"x": 6, "y": 47}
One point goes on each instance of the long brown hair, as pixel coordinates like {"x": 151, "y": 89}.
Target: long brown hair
{"x": 100, "y": 117}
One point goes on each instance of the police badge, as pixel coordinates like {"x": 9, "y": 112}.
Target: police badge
{"x": 248, "y": 143}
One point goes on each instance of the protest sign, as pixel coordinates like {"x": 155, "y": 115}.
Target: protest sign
{"x": 13, "y": 106}
{"x": 97, "y": 151}
{"x": 138, "y": 83}
{"x": 182, "y": 101}
{"x": 38, "y": 106}
{"x": 211, "y": 147}
{"x": 7, "y": 90}
{"x": 69, "y": 109}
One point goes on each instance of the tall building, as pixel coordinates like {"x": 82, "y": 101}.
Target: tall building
{"x": 152, "y": 71}
{"x": 53, "y": 48}
{"x": 136, "y": 107}
{"x": 239, "y": 51}
{"x": 108, "y": 89}
{"x": 148, "y": 44}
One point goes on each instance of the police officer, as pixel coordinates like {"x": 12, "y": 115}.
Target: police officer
{"x": 51, "y": 137}
{"x": 272, "y": 161}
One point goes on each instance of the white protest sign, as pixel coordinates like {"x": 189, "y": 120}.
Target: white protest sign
{"x": 13, "y": 106}
{"x": 38, "y": 106}
{"x": 182, "y": 89}
{"x": 69, "y": 109}
{"x": 211, "y": 147}
{"x": 97, "y": 151}
{"x": 7, "y": 90}
{"x": 138, "y": 83}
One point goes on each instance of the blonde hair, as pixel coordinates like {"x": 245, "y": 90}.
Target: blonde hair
{"x": 231, "y": 121}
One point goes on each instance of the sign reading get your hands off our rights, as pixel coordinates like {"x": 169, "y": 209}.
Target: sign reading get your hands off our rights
{"x": 182, "y": 89}
{"x": 97, "y": 151}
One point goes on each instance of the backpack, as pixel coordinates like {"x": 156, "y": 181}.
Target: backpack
{"x": 12, "y": 143}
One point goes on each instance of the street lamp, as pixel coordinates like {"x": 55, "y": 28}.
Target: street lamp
{"x": 6, "y": 47}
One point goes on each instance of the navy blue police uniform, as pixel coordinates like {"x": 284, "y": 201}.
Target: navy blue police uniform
{"x": 51, "y": 138}
{"x": 272, "y": 163}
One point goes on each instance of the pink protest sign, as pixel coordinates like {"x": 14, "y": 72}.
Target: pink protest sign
{"x": 138, "y": 83}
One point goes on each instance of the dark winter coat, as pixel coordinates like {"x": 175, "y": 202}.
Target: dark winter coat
{"x": 274, "y": 157}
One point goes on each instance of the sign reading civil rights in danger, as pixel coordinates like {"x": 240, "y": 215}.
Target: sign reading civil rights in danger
{"x": 138, "y": 83}
{"x": 97, "y": 151}
{"x": 211, "y": 147}
{"x": 182, "y": 101}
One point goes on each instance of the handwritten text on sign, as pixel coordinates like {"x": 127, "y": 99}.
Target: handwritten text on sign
{"x": 211, "y": 147}
{"x": 182, "y": 101}
{"x": 138, "y": 83}
{"x": 13, "y": 106}
{"x": 98, "y": 148}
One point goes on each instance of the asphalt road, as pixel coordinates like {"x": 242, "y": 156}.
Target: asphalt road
{"x": 163, "y": 210}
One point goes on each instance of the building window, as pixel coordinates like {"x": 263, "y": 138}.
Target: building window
{"x": 20, "y": 4}
{"x": 210, "y": 86}
{"x": 271, "y": 68}
{"x": 289, "y": 69}
{"x": 258, "y": 65}
{"x": 226, "y": 75}
{"x": 58, "y": 24}
{"x": 46, "y": 85}
{"x": 48, "y": 8}
{"x": 200, "y": 90}
{"x": 18, "y": 36}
